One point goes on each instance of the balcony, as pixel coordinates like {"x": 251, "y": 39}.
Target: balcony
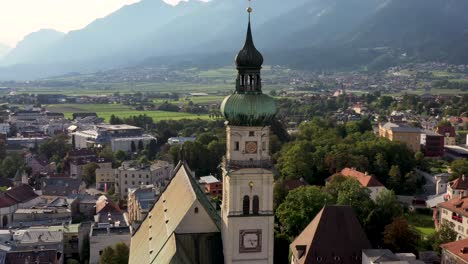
{"x": 457, "y": 218}
{"x": 240, "y": 164}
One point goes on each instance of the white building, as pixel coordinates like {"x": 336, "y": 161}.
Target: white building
{"x": 119, "y": 137}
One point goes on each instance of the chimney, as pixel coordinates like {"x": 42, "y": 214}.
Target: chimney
{"x": 464, "y": 250}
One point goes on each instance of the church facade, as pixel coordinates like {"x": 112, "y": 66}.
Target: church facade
{"x": 183, "y": 226}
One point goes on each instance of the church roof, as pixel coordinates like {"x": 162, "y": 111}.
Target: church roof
{"x": 180, "y": 215}
{"x": 334, "y": 235}
{"x": 249, "y": 56}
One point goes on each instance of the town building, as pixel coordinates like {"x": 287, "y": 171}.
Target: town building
{"x": 61, "y": 186}
{"x": 402, "y": 132}
{"x": 328, "y": 238}
{"x": 211, "y": 185}
{"x": 455, "y": 211}
{"x": 118, "y": 137}
{"x": 140, "y": 201}
{"x": 368, "y": 181}
{"x": 73, "y": 237}
{"x": 449, "y": 134}
{"x": 19, "y": 197}
{"x": 382, "y": 256}
{"x": 76, "y": 166}
{"x": 28, "y": 217}
{"x": 132, "y": 174}
{"x": 105, "y": 176}
{"x": 433, "y": 143}
{"x": 110, "y": 227}
{"x": 183, "y": 226}
{"x": 32, "y": 245}
{"x": 456, "y": 152}
{"x": 455, "y": 252}
{"x": 4, "y": 128}
{"x": 39, "y": 165}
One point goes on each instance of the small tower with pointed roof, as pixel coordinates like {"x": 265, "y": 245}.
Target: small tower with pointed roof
{"x": 247, "y": 206}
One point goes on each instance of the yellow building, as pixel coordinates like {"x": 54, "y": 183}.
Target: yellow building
{"x": 402, "y": 132}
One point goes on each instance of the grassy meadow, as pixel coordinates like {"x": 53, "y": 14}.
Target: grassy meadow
{"x": 106, "y": 110}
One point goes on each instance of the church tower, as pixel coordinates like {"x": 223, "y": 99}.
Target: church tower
{"x": 247, "y": 206}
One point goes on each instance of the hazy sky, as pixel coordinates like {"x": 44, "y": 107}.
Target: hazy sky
{"x": 21, "y": 17}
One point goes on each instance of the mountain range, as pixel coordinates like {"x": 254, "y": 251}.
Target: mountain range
{"x": 4, "y": 49}
{"x": 312, "y": 34}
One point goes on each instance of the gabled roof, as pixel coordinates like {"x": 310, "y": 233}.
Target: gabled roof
{"x": 460, "y": 184}
{"x": 105, "y": 205}
{"x": 457, "y": 205}
{"x": 174, "y": 214}
{"x": 458, "y": 248}
{"x": 364, "y": 179}
{"x": 20, "y": 194}
{"x": 334, "y": 235}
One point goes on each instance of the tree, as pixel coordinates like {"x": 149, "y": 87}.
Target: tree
{"x": 350, "y": 192}
{"x": 2, "y": 149}
{"x": 395, "y": 179}
{"x": 400, "y": 237}
{"x": 10, "y": 165}
{"x": 118, "y": 254}
{"x": 107, "y": 256}
{"x": 387, "y": 207}
{"x": 133, "y": 147}
{"x": 89, "y": 173}
{"x": 300, "y": 207}
{"x": 152, "y": 148}
{"x": 459, "y": 167}
{"x": 445, "y": 234}
{"x": 140, "y": 145}
{"x": 57, "y": 145}
{"x": 121, "y": 155}
{"x": 295, "y": 161}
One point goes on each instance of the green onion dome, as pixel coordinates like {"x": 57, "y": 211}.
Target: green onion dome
{"x": 249, "y": 109}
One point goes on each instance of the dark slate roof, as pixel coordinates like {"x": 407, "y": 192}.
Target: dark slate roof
{"x": 334, "y": 235}
{"x": 22, "y": 193}
{"x": 21, "y": 257}
{"x": 60, "y": 186}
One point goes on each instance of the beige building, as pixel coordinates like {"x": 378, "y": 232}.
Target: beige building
{"x": 455, "y": 211}
{"x": 402, "y": 132}
{"x": 132, "y": 175}
{"x": 105, "y": 176}
{"x": 140, "y": 201}
{"x": 455, "y": 252}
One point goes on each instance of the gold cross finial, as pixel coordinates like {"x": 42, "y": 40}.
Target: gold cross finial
{"x": 249, "y": 9}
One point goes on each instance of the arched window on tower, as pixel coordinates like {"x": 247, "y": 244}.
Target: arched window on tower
{"x": 246, "y": 205}
{"x": 256, "y": 204}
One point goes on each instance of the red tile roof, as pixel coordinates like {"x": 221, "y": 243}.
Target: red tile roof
{"x": 460, "y": 184}
{"x": 457, "y": 205}
{"x": 458, "y": 248}
{"x": 365, "y": 179}
{"x": 105, "y": 205}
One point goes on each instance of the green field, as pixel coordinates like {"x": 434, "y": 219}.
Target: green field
{"x": 106, "y": 110}
{"x": 422, "y": 222}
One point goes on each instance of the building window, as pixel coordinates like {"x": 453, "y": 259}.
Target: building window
{"x": 196, "y": 210}
{"x": 264, "y": 145}
{"x": 256, "y": 204}
{"x": 236, "y": 145}
{"x": 251, "y": 134}
{"x": 133, "y": 175}
{"x": 133, "y": 183}
{"x": 246, "y": 205}
{"x": 125, "y": 175}
{"x": 125, "y": 182}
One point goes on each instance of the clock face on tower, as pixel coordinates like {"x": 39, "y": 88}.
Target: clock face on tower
{"x": 250, "y": 241}
{"x": 251, "y": 147}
